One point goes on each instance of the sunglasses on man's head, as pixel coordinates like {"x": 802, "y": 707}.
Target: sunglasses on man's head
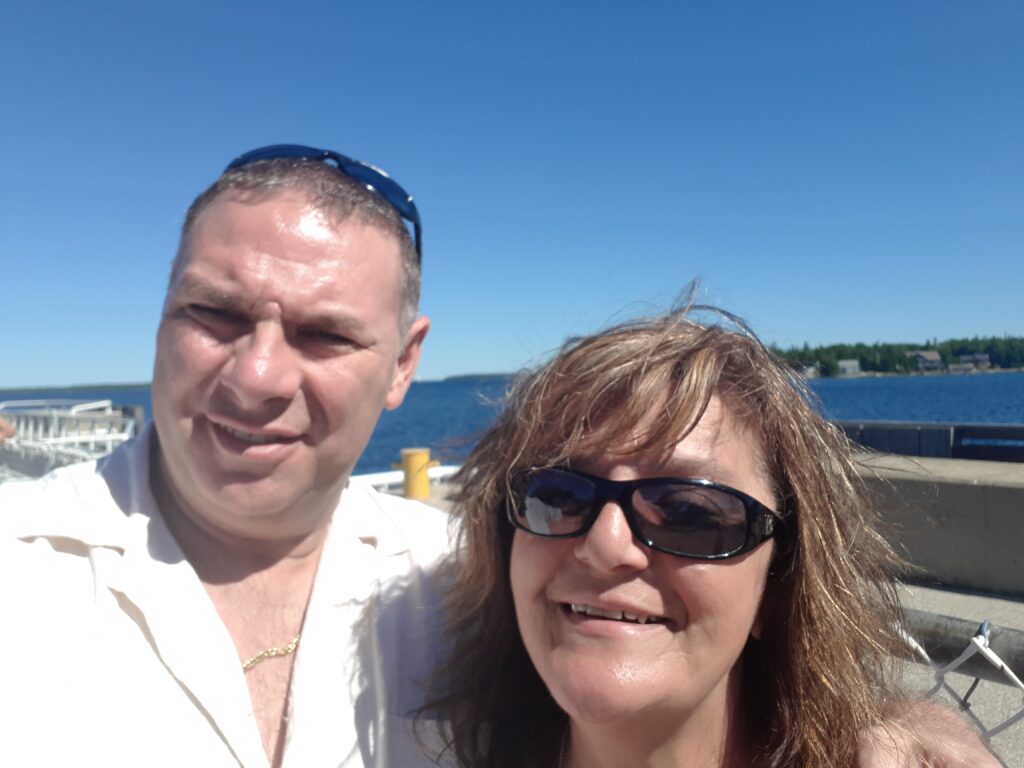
{"x": 681, "y": 516}
{"x": 372, "y": 177}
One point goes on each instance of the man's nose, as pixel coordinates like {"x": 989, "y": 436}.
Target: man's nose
{"x": 264, "y": 366}
{"x": 609, "y": 545}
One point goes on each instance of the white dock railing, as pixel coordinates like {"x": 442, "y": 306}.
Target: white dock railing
{"x": 392, "y": 480}
{"x": 52, "y": 433}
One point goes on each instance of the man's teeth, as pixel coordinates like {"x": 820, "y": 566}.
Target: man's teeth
{"x": 249, "y": 437}
{"x": 601, "y": 613}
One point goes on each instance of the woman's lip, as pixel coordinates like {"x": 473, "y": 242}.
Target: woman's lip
{"x": 608, "y": 628}
{"x": 605, "y": 611}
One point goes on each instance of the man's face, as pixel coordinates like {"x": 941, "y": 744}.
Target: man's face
{"x": 277, "y": 350}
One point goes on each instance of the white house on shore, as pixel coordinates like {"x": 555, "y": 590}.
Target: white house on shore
{"x": 849, "y": 367}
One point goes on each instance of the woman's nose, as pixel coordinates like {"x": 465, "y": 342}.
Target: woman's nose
{"x": 609, "y": 545}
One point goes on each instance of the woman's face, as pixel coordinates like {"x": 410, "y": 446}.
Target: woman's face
{"x": 601, "y": 670}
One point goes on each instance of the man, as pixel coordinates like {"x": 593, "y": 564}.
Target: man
{"x": 214, "y": 593}
{"x": 167, "y": 602}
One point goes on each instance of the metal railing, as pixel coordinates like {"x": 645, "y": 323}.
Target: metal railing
{"x": 393, "y": 479}
{"x": 989, "y": 656}
{"x": 986, "y": 442}
{"x": 52, "y": 433}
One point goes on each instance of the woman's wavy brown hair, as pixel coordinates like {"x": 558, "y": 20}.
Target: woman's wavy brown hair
{"x": 819, "y": 673}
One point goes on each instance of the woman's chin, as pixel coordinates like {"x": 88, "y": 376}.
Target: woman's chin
{"x": 602, "y": 697}
{"x": 595, "y": 711}
{"x": 599, "y": 690}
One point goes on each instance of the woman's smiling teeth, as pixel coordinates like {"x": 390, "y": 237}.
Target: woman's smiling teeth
{"x": 249, "y": 437}
{"x": 601, "y": 613}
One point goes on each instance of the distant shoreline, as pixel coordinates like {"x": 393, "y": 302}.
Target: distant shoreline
{"x": 497, "y": 376}
{"x": 888, "y": 374}
{"x": 147, "y": 384}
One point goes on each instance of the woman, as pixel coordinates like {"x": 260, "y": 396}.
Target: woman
{"x": 665, "y": 561}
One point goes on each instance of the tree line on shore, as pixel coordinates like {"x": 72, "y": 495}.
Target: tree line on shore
{"x": 1002, "y": 351}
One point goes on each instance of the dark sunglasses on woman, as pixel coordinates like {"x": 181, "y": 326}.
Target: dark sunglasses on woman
{"x": 689, "y": 517}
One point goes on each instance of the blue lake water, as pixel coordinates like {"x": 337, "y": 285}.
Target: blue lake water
{"x": 994, "y": 398}
{"x": 446, "y": 416}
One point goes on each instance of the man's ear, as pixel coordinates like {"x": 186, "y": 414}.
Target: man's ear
{"x": 408, "y": 359}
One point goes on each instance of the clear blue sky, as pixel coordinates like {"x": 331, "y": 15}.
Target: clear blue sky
{"x": 832, "y": 171}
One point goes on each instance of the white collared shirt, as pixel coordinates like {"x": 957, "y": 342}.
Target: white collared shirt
{"x": 114, "y": 654}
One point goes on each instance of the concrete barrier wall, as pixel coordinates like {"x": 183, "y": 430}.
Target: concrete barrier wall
{"x": 960, "y": 522}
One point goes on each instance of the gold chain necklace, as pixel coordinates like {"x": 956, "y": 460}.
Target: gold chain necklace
{"x": 272, "y": 651}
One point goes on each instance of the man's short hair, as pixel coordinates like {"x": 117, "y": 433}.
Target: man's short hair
{"x": 329, "y": 190}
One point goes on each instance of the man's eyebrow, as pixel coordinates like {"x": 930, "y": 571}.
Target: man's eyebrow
{"x": 340, "y": 322}
{"x": 330, "y": 321}
{"x": 197, "y": 290}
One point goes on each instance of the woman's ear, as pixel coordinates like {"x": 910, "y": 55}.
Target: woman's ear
{"x": 755, "y": 631}
{"x": 770, "y": 593}
{"x": 763, "y": 610}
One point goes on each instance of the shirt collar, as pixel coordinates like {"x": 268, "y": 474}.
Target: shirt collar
{"x": 123, "y": 476}
{"x": 69, "y": 502}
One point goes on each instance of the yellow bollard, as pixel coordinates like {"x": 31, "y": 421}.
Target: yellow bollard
{"x": 415, "y": 462}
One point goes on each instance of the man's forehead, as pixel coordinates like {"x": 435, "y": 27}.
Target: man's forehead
{"x": 319, "y": 215}
{"x": 251, "y": 219}
{"x": 255, "y": 206}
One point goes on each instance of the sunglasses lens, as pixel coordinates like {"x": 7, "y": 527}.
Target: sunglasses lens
{"x": 681, "y": 518}
{"x": 690, "y": 520}
{"x": 553, "y": 503}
